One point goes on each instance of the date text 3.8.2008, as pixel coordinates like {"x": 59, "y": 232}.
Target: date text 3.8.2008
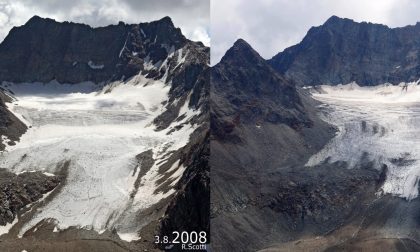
{"x": 183, "y": 238}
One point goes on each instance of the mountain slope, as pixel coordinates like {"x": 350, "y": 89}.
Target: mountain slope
{"x": 262, "y": 132}
{"x": 10, "y": 126}
{"x": 254, "y": 93}
{"x": 343, "y": 51}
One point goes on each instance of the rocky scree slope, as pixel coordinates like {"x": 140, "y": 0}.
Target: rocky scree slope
{"x": 343, "y": 51}
{"x": 263, "y": 129}
{"x": 17, "y": 191}
{"x": 246, "y": 89}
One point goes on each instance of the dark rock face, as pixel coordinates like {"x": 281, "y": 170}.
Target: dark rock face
{"x": 43, "y": 50}
{"x": 188, "y": 80}
{"x": 190, "y": 209}
{"x": 245, "y": 89}
{"x": 342, "y": 51}
{"x": 260, "y": 128}
{"x": 17, "y": 191}
{"x": 10, "y": 126}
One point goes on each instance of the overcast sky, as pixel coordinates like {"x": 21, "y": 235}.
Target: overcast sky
{"x": 192, "y": 16}
{"x": 272, "y": 25}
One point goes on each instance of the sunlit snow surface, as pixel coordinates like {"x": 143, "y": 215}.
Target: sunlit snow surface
{"x": 100, "y": 131}
{"x": 379, "y": 124}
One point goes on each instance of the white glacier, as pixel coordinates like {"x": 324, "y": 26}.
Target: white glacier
{"x": 5, "y": 229}
{"x": 99, "y": 130}
{"x": 379, "y": 124}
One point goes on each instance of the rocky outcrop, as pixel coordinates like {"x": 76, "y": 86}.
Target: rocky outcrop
{"x": 17, "y": 191}
{"x": 253, "y": 109}
{"x": 190, "y": 209}
{"x": 343, "y": 51}
{"x": 246, "y": 90}
{"x": 189, "y": 82}
{"x": 11, "y": 128}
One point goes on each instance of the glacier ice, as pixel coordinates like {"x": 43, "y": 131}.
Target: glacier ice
{"x": 380, "y": 124}
{"x": 99, "y": 130}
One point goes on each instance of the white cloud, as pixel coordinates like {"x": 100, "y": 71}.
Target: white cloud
{"x": 192, "y": 16}
{"x": 200, "y": 34}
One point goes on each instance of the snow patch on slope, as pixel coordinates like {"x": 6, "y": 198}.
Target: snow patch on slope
{"x": 95, "y": 66}
{"x": 5, "y": 229}
{"x": 379, "y": 124}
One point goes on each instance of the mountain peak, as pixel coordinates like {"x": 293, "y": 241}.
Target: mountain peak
{"x": 241, "y": 43}
{"x": 241, "y": 52}
{"x": 335, "y": 20}
{"x": 110, "y": 46}
{"x": 167, "y": 20}
{"x": 342, "y": 51}
{"x": 37, "y": 19}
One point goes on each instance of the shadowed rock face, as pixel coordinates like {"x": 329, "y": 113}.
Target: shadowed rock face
{"x": 245, "y": 89}
{"x": 190, "y": 209}
{"x": 10, "y": 126}
{"x": 342, "y": 51}
{"x": 17, "y": 191}
{"x": 43, "y": 50}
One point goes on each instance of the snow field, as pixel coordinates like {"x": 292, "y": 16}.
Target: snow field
{"x": 99, "y": 131}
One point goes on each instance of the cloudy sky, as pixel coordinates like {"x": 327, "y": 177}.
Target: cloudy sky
{"x": 272, "y": 25}
{"x": 192, "y": 16}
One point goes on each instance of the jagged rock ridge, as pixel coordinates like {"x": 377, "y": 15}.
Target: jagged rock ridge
{"x": 43, "y": 50}
{"x": 343, "y": 51}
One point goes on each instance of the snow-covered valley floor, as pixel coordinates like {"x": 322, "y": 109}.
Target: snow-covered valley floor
{"x": 378, "y": 124}
{"x": 99, "y": 131}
